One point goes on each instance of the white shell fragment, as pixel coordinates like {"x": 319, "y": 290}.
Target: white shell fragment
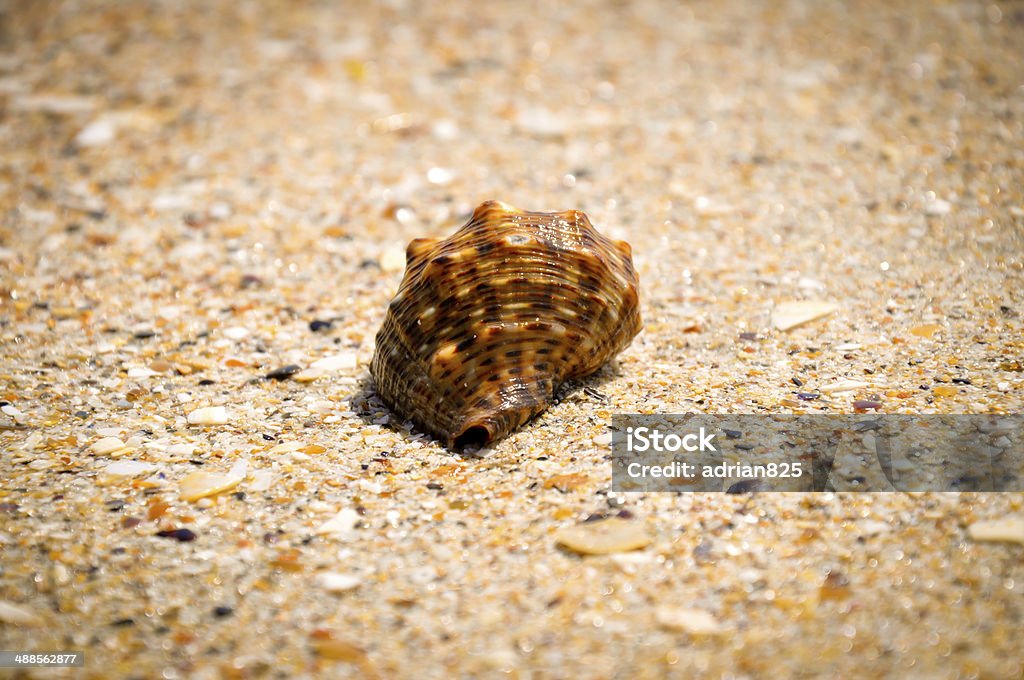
{"x": 334, "y": 582}
{"x": 686, "y": 620}
{"x": 603, "y": 537}
{"x": 341, "y": 525}
{"x": 1008, "y": 529}
{"x": 18, "y": 614}
{"x": 203, "y": 484}
{"x": 129, "y": 468}
{"x": 792, "y": 314}
{"x": 209, "y": 415}
{"x": 106, "y": 446}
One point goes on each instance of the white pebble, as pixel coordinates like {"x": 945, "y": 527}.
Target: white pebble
{"x": 789, "y": 315}
{"x": 97, "y": 133}
{"x": 439, "y": 176}
{"x": 236, "y": 332}
{"x": 208, "y": 415}
{"x": 141, "y": 373}
{"x": 1009, "y": 529}
{"x": 13, "y": 412}
{"x": 685, "y": 620}
{"x": 603, "y": 439}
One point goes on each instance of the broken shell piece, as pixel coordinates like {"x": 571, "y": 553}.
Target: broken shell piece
{"x": 489, "y": 322}
{"x": 603, "y": 537}
{"x": 792, "y": 314}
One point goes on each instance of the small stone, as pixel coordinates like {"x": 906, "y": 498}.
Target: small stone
{"x": 334, "y": 582}
{"x": 182, "y": 535}
{"x": 140, "y": 372}
{"x": 318, "y": 325}
{"x": 308, "y": 375}
{"x": 865, "y": 404}
{"x": 1007, "y": 529}
{"x": 945, "y": 391}
{"x": 18, "y": 615}
{"x": 604, "y": 537}
{"x": 106, "y": 446}
{"x": 603, "y": 439}
{"x": 847, "y": 347}
{"x": 567, "y": 482}
{"x": 283, "y": 373}
{"x": 686, "y": 620}
{"x": 789, "y": 315}
{"x": 236, "y": 332}
{"x": 208, "y": 415}
{"x": 222, "y": 611}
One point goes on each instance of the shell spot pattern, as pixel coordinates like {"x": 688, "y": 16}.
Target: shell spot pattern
{"x": 489, "y": 322}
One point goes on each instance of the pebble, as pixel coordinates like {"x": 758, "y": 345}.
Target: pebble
{"x": 603, "y": 439}
{"x": 283, "y": 373}
{"x": 129, "y": 468}
{"x": 182, "y": 535}
{"x": 865, "y": 404}
{"x": 334, "y": 582}
{"x": 847, "y": 347}
{"x": 106, "y": 446}
{"x": 925, "y": 330}
{"x": 141, "y": 373}
{"x": 318, "y": 325}
{"x": 1008, "y": 529}
{"x": 208, "y": 415}
{"x": 604, "y": 537}
{"x": 789, "y": 315}
{"x": 945, "y": 391}
{"x": 236, "y": 332}
{"x": 18, "y": 615}
{"x": 686, "y": 620}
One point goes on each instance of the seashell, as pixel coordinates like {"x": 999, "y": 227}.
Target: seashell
{"x": 488, "y": 323}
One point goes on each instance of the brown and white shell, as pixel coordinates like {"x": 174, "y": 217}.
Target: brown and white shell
{"x": 488, "y": 323}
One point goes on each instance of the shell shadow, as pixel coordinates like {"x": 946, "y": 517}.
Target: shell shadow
{"x": 367, "y": 404}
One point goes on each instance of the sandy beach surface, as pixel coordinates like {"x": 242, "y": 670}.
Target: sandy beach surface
{"x": 194, "y": 195}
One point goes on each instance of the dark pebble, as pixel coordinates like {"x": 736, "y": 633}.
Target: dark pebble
{"x": 269, "y": 437}
{"x": 115, "y": 505}
{"x": 318, "y": 325}
{"x": 142, "y": 335}
{"x": 183, "y": 535}
{"x": 865, "y": 404}
{"x": 251, "y": 281}
{"x": 961, "y": 381}
{"x": 239, "y": 495}
{"x": 8, "y": 507}
{"x": 748, "y": 336}
{"x": 81, "y": 414}
{"x": 797, "y": 381}
{"x": 206, "y": 381}
{"x": 745, "y": 447}
{"x": 807, "y": 396}
{"x": 745, "y": 486}
{"x": 130, "y": 522}
{"x": 733, "y": 434}
{"x": 624, "y": 514}
{"x": 434, "y": 486}
{"x": 120, "y": 623}
{"x": 222, "y": 611}
{"x": 284, "y": 372}
{"x": 596, "y": 517}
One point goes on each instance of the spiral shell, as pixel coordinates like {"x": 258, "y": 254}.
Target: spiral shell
{"x": 489, "y": 322}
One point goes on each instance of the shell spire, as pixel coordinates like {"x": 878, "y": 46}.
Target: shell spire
{"x": 489, "y": 322}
